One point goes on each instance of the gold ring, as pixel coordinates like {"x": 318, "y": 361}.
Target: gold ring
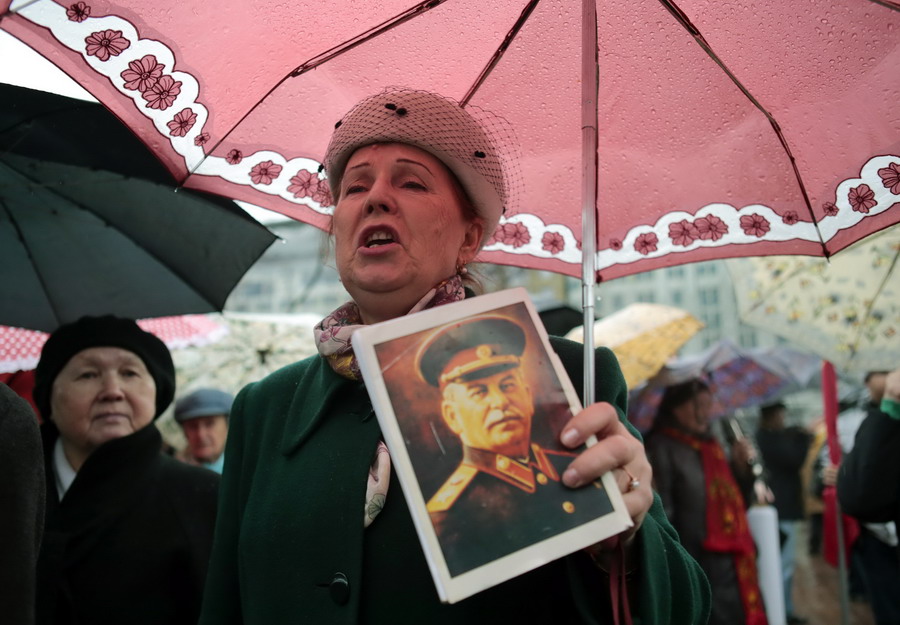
{"x": 633, "y": 482}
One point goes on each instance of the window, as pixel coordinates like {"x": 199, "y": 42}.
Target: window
{"x": 748, "y": 337}
{"x": 709, "y": 297}
{"x": 708, "y": 268}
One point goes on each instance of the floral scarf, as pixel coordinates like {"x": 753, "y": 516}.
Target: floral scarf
{"x": 333, "y": 341}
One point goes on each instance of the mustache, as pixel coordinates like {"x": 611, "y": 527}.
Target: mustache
{"x": 497, "y": 418}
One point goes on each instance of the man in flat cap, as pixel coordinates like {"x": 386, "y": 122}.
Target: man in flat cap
{"x": 203, "y": 416}
{"x": 506, "y": 493}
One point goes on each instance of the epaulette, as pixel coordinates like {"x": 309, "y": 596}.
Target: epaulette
{"x": 447, "y": 494}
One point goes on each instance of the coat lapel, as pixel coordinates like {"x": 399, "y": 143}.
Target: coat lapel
{"x": 313, "y": 396}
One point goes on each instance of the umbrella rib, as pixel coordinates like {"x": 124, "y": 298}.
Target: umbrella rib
{"x": 890, "y": 4}
{"x": 21, "y": 236}
{"x": 871, "y": 304}
{"x": 499, "y": 52}
{"x": 683, "y": 19}
{"x": 360, "y": 39}
{"x": 43, "y": 114}
{"x": 314, "y": 62}
{"x": 87, "y": 209}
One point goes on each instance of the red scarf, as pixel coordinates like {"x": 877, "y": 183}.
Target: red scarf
{"x": 726, "y": 521}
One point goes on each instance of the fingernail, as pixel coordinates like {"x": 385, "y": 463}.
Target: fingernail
{"x": 570, "y": 437}
{"x": 571, "y": 478}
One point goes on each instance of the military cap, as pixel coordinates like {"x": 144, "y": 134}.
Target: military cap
{"x": 471, "y": 349}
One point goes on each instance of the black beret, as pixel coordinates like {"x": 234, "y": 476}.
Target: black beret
{"x": 105, "y": 331}
{"x": 471, "y": 349}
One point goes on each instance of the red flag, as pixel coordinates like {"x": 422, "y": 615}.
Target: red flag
{"x": 829, "y": 495}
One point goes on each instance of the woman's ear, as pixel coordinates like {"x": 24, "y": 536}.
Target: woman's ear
{"x": 471, "y": 242}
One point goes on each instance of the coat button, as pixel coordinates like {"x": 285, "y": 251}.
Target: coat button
{"x": 339, "y": 589}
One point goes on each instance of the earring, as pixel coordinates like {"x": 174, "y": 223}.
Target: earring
{"x": 461, "y": 269}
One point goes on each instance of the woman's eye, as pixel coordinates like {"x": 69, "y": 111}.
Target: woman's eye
{"x": 86, "y": 375}
{"x": 354, "y": 188}
{"x": 412, "y": 184}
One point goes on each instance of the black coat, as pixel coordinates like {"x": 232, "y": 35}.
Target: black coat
{"x": 21, "y": 506}
{"x": 869, "y": 478}
{"x": 783, "y": 453}
{"x": 130, "y": 541}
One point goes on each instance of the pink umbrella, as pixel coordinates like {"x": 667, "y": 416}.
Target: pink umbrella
{"x": 752, "y": 129}
{"x": 20, "y": 349}
{"x": 765, "y": 128}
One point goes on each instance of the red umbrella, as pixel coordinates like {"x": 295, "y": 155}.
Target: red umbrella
{"x": 20, "y": 349}
{"x": 752, "y": 129}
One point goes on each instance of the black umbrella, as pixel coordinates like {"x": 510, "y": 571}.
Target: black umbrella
{"x": 90, "y": 221}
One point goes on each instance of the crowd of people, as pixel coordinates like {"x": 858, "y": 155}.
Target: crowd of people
{"x": 283, "y": 505}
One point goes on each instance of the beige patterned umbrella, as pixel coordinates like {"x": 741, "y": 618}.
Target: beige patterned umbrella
{"x": 846, "y": 309}
{"x": 643, "y": 337}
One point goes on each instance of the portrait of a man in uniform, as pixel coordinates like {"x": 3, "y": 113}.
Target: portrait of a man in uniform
{"x": 506, "y": 493}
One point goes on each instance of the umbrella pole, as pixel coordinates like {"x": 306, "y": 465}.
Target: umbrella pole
{"x": 589, "y": 89}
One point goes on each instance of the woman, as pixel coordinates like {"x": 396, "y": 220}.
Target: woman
{"x": 704, "y": 502}
{"x": 128, "y": 530}
{"x": 420, "y": 187}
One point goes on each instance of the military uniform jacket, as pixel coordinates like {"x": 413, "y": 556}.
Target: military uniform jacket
{"x": 493, "y": 505}
{"x": 290, "y": 545}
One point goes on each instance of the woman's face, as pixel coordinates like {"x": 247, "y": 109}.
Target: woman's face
{"x": 693, "y": 415}
{"x": 399, "y": 226}
{"x": 102, "y": 393}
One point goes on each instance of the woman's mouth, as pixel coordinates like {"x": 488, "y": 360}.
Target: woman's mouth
{"x": 378, "y": 237}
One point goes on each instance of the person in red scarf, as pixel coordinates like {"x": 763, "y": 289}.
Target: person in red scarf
{"x": 703, "y": 495}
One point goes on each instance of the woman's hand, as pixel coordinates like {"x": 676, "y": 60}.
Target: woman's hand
{"x": 743, "y": 453}
{"x": 616, "y": 450}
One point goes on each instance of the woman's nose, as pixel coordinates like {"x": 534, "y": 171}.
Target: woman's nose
{"x": 380, "y": 198}
{"x": 112, "y": 386}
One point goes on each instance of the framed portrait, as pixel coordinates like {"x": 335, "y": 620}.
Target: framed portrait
{"x": 471, "y": 400}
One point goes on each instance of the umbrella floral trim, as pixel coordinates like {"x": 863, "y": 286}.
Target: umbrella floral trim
{"x": 715, "y": 225}
{"x": 143, "y": 69}
{"x": 139, "y": 68}
{"x": 875, "y": 191}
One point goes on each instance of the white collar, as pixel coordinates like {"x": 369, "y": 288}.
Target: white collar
{"x": 65, "y": 474}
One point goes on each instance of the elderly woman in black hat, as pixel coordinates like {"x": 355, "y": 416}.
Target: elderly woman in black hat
{"x": 312, "y": 525}
{"x": 128, "y": 530}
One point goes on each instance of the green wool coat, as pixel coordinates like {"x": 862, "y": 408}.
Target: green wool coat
{"x": 290, "y": 546}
